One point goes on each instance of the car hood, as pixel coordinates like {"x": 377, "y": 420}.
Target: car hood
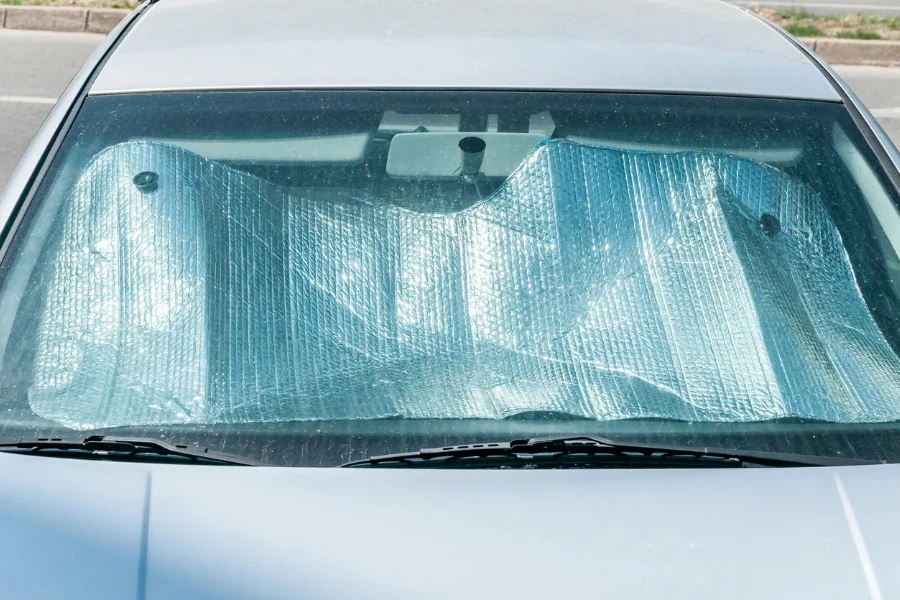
{"x": 73, "y": 529}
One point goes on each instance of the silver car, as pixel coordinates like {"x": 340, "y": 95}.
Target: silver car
{"x": 562, "y": 286}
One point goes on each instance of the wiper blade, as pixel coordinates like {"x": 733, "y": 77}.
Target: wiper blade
{"x": 591, "y": 451}
{"x": 124, "y": 448}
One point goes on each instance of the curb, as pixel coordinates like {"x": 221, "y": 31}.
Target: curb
{"x": 834, "y": 51}
{"x": 53, "y": 18}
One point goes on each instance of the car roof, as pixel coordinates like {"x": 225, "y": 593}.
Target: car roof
{"x": 689, "y": 46}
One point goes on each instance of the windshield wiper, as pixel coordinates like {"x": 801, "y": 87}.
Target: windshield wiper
{"x": 123, "y": 448}
{"x": 591, "y": 451}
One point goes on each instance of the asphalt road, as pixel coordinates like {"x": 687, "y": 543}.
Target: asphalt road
{"x": 35, "y": 68}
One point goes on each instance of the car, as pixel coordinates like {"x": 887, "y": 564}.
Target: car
{"x": 586, "y": 298}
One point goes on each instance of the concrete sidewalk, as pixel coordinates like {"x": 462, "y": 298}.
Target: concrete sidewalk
{"x": 835, "y": 51}
{"x": 55, "y": 18}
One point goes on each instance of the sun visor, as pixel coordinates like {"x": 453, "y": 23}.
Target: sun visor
{"x": 776, "y": 156}
{"x": 599, "y": 283}
{"x": 324, "y": 149}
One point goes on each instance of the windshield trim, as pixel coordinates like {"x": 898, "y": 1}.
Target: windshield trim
{"x": 787, "y": 108}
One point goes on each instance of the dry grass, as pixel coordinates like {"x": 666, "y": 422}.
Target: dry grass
{"x": 860, "y": 27}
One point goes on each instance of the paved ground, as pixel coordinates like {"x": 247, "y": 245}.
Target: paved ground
{"x": 879, "y": 89}
{"x": 36, "y": 67}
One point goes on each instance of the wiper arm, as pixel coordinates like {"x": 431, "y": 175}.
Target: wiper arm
{"x": 123, "y": 448}
{"x": 585, "y": 450}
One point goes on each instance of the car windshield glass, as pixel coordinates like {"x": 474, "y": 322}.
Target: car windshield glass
{"x": 308, "y": 278}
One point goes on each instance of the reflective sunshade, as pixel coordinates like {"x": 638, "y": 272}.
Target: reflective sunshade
{"x": 423, "y": 255}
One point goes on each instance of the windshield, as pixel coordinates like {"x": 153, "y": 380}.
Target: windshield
{"x": 309, "y": 278}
